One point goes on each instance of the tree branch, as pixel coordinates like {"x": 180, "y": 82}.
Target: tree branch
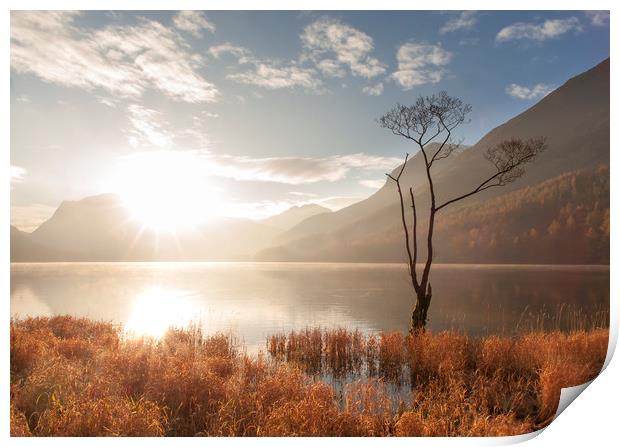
{"x": 412, "y": 271}
{"x": 415, "y": 237}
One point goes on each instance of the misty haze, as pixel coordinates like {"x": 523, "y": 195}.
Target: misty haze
{"x": 220, "y": 231}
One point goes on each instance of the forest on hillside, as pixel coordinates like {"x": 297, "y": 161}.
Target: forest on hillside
{"x": 563, "y": 220}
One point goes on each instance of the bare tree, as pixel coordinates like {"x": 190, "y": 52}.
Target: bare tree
{"x": 434, "y": 119}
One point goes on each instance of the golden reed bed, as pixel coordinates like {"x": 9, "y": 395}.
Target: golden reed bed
{"x": 77, "y": 377}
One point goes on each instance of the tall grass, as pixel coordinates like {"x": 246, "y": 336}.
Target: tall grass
{"x": 77, "y": 377}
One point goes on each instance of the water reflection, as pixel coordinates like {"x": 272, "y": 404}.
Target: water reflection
{"x": 253, "y": 300}
{"x": 156, "y": 309}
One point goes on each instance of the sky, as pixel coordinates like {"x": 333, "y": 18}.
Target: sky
{"x": 248, "y": 113}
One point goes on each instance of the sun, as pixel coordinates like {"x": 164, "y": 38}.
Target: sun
{"x": 166, "y": 190}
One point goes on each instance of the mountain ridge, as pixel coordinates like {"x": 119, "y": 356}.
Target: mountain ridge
{"x": 574, "y": 118}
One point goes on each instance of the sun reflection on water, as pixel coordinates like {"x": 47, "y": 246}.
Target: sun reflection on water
{"x": 156, "y": 309}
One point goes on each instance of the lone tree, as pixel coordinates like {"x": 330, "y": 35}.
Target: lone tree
{"x": 434, "y": 119}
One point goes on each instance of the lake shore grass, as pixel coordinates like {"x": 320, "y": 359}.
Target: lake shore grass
{"x": 78, "y": 377}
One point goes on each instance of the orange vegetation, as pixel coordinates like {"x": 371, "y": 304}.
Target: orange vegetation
{"x": 76, "y": 377}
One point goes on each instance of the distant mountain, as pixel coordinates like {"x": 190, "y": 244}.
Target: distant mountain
{"x": 557, "y": 213}
{"x": 294, "y": 215}
{"x": 575, "y": 120}
{"x": 99, "y": 228}
{"x": 24, "y": 249}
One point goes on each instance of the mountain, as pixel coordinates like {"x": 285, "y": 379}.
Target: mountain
{"x": 24, "y": 249}
{"x": 564, "y": 220}
{"x": 558, "y": 212}
{"x": 575, "y": 120}
{"x": 294, "y": 215}
{"x": 99, "y": 228}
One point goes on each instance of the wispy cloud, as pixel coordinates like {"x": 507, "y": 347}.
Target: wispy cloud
{"x": 107, "y": 101}
{"x": 267, "y": 74}
{"x": 539, "y": 32}
{"x": 24, "y": 99}
{"x": 147, "y": 128}
{"x": 373, "y": 184}
{"x": 150, "y": 129}
{"x": 302, "y": 194}
{"x": 286, "y": 170}
{"x": 334, "y": 45}
{"x": 329, "y": 45}
{"x": 243, "y": 55}
{"x": 193, "y": 22}
{"x": 295, "y": 170}
{"x": 465, "y": 20}
{"x": 374, "y": 90}
{"x": 336, "y": 203}
{"x": 524, "y": 92}
{"x": 420, "y": 63}
{"x": 332, "y": 68}
{"x": 598, "y": 18}
{"x": 124, "y": 60}
{"x": 271, "y": 76}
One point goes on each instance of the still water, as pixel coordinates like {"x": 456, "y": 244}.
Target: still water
{"x": 254, "y": 300}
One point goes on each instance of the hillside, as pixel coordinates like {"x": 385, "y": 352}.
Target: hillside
{"x": 574, "y": 119}
{"x": 294, "y": 215}
{"x": 564, "y": 220}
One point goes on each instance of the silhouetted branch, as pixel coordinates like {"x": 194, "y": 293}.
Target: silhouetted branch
{"x": 411, "y": 257}
{"x": 508, "y": 157}
{"x": 415, "y": 236}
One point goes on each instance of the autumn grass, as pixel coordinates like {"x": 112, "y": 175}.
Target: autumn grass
{"x": 77, "y": 377}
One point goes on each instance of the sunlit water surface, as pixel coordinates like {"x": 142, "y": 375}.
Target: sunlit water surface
{"x": 253, "y": 300}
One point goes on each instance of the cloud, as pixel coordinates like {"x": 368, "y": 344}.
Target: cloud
{"x": 207, "y": 114}
{"x": 549, "y": 29}
{"x": 17, "y": 174}
{"x": 193, "y": 22}
{"x": 147, "y": 128}
{"x": 336, "y": 203}
{"x": 267, "y": 73}
{"x": 24, "y": 99}
{"x": 302, "y": 194}
{"x": 123, "y": 60}
{"x": 296, "y": 170}
{"x": 107, "y": 101}
{"x": 340, "y": 45}
{"x": 243, "y": 55}
{"x": 286, "y": 170}
{"x": 374, "y": 184}
{"x": 374, "y": 90}
{"x": 331, "y": 45}
{"x": 523, "y": 92}
{"x": 271, "y": 76}
{"x": 598, "y": 18}
{"x": 420, "y": 64}
{"x": 466, "y": 20}
{"x": 330, "y": 67}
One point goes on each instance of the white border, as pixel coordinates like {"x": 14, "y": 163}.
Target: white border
{"x": 590, "y": 420}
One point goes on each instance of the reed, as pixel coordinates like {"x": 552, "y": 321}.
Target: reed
{"x": 77, "y": 377}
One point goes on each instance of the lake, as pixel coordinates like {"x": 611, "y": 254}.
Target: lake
{"x": 254, "y": 300}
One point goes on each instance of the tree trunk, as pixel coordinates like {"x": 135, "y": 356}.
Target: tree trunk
{"x": 420, "y": 312}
